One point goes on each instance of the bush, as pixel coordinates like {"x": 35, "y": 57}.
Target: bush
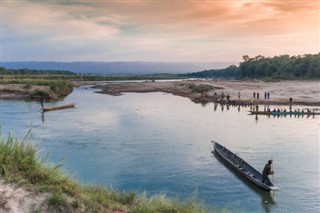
{"x": 61, "y": 88}
{"x": 201, "y": 88}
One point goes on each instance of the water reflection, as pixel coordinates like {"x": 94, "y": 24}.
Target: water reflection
{"x": 42, "y": 117}
{"x": 267, "y": 198}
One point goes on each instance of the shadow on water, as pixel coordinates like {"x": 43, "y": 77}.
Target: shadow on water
{"x": 267, "y": 198}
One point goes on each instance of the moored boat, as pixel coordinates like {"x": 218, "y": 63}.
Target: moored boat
{"x": 283, "y": 113}
{"x": 242, "y": 167}
{"x": 46, "y": 109}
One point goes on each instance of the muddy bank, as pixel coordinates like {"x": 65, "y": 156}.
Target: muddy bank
{"x": 301, "y": 92}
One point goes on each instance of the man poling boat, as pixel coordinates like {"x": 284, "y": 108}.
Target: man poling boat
{"x": 245, "y": 168}
{"x": 267, "y": 170}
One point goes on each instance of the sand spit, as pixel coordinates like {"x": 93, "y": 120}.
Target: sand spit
{"x": 301, "y": 92}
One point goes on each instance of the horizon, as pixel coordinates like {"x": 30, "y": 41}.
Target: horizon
{"x": 154, "y": 31}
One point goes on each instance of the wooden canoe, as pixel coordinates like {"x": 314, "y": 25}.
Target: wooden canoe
{"x": 242, "y": 167}
{"x": 46, "y": 109}
{"x": 283, "y": 113}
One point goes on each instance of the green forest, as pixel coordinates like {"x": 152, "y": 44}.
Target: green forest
{"x": 283, "y": 67}
{"x": 229, "y": 72}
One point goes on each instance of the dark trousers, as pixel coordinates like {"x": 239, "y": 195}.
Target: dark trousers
{"x": 265, "y": 180}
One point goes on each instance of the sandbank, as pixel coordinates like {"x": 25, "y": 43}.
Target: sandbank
{"x": 301, "y": 92}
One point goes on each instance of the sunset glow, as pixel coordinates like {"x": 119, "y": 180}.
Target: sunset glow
{"x": 149, "y": 30}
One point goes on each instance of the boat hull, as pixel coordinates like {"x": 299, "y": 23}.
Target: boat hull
{"x": 46, "y": 109}
{"x": 284, "y": 113}
{"x": 242, "y": 167}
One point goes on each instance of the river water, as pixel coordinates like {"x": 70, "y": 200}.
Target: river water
{"x": 160, "y": 143}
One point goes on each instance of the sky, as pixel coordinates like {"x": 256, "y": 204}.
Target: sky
{"x": 157, "y": 30}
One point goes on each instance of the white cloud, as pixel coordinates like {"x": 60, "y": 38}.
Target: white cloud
{"x": 53, "y": 23}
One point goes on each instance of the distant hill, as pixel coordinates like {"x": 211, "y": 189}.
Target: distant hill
{"x": 119, "y": 68}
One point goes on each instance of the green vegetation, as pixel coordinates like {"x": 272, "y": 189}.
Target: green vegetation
{"x": 229, "y": 72}
{"x": 4, "y": 71}
{"x": 19, "y": 165}
{"x": 200, "y": 88}
{"x": 283, "y": 67}
{"x": 21, "y": 74}
{"x": 51, "y": 89}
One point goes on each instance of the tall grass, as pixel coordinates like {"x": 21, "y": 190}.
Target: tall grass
{"x": 20, "y": 165}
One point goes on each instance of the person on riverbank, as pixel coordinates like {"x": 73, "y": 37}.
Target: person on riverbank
{"x": 266, "y": 172}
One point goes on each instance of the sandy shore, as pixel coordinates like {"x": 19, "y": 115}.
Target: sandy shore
{"x": 301, "y": 92}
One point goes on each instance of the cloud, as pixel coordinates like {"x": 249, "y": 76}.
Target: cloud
{"x": 25, "y": 18}
{"x": 157, "y": 30}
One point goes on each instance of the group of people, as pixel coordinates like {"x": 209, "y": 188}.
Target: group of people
{"x": 256, "y": 95}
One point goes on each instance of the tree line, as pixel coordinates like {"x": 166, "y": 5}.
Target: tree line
{"x": 229, "y": 72}
{"x": 283, "y": 67}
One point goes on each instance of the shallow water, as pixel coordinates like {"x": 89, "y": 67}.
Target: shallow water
{"x": 160, "y": 143}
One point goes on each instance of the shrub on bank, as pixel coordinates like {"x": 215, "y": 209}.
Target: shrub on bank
{"x": 20, "y": 165}
{"x": 201, "y": 88}
{"x": 61, "y": 88}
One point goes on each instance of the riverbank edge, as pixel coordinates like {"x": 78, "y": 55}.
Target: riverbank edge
{"x": 180, "y": 87}
{"x": 183, "y": 89}
{"x": 28, "y": 185}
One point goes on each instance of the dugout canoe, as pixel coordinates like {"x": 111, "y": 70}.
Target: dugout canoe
{"x": 242, "y": 167}
{"x": 66, "y": 106}
{"x": 283, "y": 113}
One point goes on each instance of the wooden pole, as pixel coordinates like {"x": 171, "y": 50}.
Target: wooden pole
{"x": 273, "y": 167}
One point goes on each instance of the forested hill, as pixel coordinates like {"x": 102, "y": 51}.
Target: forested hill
{"x": 229, "y": 72}
{"x": 279, "y": 67}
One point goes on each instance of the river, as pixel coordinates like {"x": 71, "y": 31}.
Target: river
{"x": 161, "y": 143}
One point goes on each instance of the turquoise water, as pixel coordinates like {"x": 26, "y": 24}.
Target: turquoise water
{"x": 160, "y": 143}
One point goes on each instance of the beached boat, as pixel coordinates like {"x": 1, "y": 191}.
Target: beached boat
{"x": 46, "y": 109}
{"x": 242, "y": 167}
{"x": 299, "y": 113}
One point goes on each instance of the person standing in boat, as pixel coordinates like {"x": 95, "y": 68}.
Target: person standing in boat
{"x": 41, "y": 102}
{"x": 266, "y": 172}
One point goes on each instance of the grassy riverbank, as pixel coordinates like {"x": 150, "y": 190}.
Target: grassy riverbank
{"x": 60, "y": 193}
{"x": 36, "y": 88}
